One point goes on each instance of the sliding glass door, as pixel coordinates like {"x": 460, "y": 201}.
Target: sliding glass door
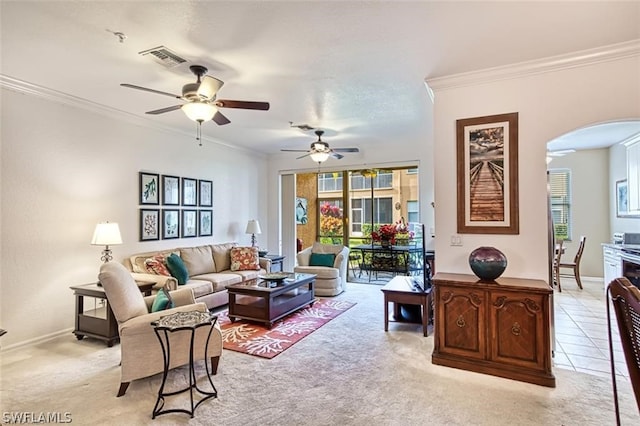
{"x": 351, "y": 204}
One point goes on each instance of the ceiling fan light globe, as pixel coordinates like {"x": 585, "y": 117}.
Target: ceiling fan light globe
{"x": 319, "y": 157}
{"x": 318, "y": 146}
{"x": 199, "y": 111}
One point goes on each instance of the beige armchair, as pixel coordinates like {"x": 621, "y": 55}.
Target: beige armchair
{"x": 141, "y": 354}
{"x": 330, "y": 280}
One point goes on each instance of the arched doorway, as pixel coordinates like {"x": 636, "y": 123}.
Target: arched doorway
{"x": 592, "y": 160}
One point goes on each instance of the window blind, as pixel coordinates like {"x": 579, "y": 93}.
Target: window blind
{"x": 560, "y": 193}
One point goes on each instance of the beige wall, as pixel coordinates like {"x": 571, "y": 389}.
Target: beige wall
{"x": 590, "y": 206}
{"x": 64, "y": 169}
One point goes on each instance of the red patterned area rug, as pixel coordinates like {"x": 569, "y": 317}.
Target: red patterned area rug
{"x": 256, "y": 339}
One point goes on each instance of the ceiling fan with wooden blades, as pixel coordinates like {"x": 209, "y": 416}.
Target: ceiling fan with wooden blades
{"x": 320, "y": 150}
{"x": 201, "y": 103}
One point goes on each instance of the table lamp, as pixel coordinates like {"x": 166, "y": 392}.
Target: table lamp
{"x": 253, "y": 228}
{"x": 106, "y": 234}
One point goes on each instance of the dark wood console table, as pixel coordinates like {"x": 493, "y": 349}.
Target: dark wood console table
{"x": 500, "y": 328}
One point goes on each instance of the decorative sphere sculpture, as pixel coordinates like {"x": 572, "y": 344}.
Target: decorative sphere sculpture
{"x": 488, "y": 263}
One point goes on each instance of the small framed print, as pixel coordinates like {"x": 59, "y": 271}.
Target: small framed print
{"x": 205, "y": 222}
{"x": 189, "y": 223}
{"x": 170, "y": 190}
{"x": 206, "y": 193}
{"x": 170, "y": 224}
{"x": 622, "y": 200}
{"x": 189, "y": 192}
{"x": 149, "y": 224}
{"x": 149, "y": 188}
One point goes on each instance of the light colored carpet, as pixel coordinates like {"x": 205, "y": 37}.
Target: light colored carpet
{"x": 348, "y": 372}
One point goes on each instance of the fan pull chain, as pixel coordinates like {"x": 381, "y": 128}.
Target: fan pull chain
{"x": 199, "y": 132}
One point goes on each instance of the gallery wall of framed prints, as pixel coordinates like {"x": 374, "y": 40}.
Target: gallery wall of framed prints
{"x": 174, "y": 207}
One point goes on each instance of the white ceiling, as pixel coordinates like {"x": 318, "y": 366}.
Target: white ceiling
{"x": 356, "y": 69}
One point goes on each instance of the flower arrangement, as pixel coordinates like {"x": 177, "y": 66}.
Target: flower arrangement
{"x": 393, "y": 232}
{"x": 402, "y": 231}
{"x": 384, "y": 232}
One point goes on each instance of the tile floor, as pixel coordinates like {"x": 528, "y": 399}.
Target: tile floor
{"x": 582, "y": 342}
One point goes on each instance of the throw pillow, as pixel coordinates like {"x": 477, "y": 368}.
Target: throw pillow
{"x": 162, "y": 301}
{"x": 244, "y": 259}
{"x": 177, "y": 268}
{"x": 156, "y": 265}
{"x": 322, "y": 259}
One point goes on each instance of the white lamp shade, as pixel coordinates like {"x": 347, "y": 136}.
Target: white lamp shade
{"x": 106, "y": 234}
{"x": 319, "y": 157}
{"x": 199, "y": 111}
{"x": 253, "y": 227}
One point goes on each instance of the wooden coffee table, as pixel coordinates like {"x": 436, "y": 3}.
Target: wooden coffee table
{"x": 266, "y": 301}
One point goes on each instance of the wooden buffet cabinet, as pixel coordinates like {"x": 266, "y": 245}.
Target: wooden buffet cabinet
{"x": 500, "y": 328}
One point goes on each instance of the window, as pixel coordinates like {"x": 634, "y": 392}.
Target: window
{"x": 356, "y": 216}
{"x": 330, "y": 182}
{"x": 413, "y": 214}
{"x": 383, "y": 180}
{"x": 387, "y": 187}
{"x": 361, "y": 213}
{"x": 560, "y": 193}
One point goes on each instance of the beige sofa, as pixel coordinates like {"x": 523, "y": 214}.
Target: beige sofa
{"x": 209, "y": 268}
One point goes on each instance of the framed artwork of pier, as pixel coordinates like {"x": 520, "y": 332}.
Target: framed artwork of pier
{"x": 487, "y": 174}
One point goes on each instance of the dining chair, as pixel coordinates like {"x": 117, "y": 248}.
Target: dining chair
{"x": 354, "y": 265}
{"x": 625, "y": 299}
{"x": 575, "y": 265}
{"x": 556, "y": 264}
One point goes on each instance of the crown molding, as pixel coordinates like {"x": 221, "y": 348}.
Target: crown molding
{"x": 20, "y": 86}
{"x": 522, "y": 69}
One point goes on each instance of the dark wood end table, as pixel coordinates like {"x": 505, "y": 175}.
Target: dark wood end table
{"x": 277, "y": 262}
{"x": 402, "y": 290}
{"x": 99, "y": 322}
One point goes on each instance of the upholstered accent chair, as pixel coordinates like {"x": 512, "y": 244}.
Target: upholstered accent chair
{"x": 141, "y": 353}
{"x": 329, "y": 262}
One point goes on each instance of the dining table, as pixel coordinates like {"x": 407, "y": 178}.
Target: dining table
{"x": 395, "y": 259}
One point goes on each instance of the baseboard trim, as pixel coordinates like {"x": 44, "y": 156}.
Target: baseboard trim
{"x": 37, "y": 340}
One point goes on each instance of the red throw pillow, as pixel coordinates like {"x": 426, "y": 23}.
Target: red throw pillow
{"x": 156, "y": 265}
{"x": 244, "y": 259}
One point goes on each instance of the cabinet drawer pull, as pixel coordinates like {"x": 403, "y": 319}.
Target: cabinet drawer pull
{"x": 460, "y": 322}
{"x": 515, "y": 329}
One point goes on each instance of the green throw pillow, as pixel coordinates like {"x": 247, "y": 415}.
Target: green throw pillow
{"x": 322, "y": 259}
{"x": 162, "y": 301}
{"x": 177, "y": 268}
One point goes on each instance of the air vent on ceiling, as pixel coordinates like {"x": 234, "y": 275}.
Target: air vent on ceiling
{"x": 164, "y": 56}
